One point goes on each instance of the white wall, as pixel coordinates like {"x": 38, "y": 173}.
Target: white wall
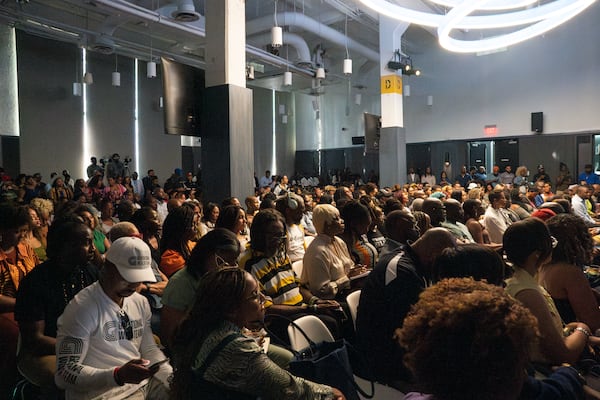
{"x": 556, "y": 73}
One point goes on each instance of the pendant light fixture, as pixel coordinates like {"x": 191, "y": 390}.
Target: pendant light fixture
{"x": 276, "y": 32}
{"x": 287, "y": 75}
{"x": 347, "y": 60}
{"x": 151, "y": 65}
{"x": 88, "y": 78}
{"x": 77, "y": 88}
{"x": 116, "y": 75}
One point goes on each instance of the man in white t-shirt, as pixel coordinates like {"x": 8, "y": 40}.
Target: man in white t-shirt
{"x": 105, "y": 348}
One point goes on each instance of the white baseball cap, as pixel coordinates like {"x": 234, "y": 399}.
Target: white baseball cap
{"x": 132, "y": 258}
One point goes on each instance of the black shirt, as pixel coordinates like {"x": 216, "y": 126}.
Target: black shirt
{"x": 44, "y": 293}
{"x": 382, "y": 309}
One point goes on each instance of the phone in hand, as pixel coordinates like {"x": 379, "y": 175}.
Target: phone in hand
{"x": 157, "y": 364}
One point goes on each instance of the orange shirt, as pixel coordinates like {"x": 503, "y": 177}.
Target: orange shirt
{"x": 12, "y": 274}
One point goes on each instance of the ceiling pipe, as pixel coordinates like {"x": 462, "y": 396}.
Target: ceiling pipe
{"x": 309, "y": 24}
{"x": 149, "y": 16}
{"x": 290, "y": 39}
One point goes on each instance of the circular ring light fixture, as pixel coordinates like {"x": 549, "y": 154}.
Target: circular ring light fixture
{"x": 528, "y": 20}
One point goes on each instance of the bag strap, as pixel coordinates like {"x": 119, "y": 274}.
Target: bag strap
{"x": 311, "y": 344}
{"x": 215, "y": 352}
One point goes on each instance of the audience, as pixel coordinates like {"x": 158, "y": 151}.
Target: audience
{"x": 408, "y": 255}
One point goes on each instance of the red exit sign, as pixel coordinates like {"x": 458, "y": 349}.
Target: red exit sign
{"x": 490, "y": 130}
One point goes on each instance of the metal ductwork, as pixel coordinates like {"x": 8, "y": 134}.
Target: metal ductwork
{"x": 309, "y": 24}
{"x": 289, "y": 39}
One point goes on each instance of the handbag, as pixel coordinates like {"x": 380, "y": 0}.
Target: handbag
{"x": 328, "y": 363}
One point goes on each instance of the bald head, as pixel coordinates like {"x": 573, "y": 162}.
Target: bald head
{"x": 431, "y": 244}
{"x": 401, "y": 226}
{"x": 454, "y": 211}
{"x": 122, "y": 229}
{"x": 435, "y": 209}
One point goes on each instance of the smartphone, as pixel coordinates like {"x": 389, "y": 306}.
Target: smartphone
{"x": 158, "y": 364}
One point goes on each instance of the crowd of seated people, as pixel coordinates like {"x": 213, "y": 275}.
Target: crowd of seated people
{"x": 302, "y": 250}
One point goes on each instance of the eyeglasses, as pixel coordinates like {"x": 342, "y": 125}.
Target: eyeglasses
{"x": 221, "y": 262}
{"x": 259, "y": 297}
{"x": 279, "y": 236}
{"x": 554, "y": 242}
{"x": 126, "y": 324}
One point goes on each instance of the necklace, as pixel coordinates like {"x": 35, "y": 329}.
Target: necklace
{"x": 69, "y": 285}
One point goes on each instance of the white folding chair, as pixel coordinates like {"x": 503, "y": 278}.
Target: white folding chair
{"x": 314, "y": 328}
{"x": 352, "y": 299}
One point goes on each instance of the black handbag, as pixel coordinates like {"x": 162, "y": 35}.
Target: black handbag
{"x": 328, "y": 363}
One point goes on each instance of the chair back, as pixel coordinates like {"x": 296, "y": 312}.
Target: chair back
{"x": 314, "y": 328}
{"x": 352, "y": 299}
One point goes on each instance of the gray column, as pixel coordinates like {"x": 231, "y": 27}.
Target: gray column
{"x": 227, "y": 145}
{"x": 392, "y": 148}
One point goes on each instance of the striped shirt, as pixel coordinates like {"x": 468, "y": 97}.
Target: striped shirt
{"x": 276, "y": 278}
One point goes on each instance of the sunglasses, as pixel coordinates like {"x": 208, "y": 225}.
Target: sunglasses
{"x": 126, "y": 324}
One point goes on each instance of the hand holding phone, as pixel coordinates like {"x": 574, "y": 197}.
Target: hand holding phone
{"x": 154, "y": 367}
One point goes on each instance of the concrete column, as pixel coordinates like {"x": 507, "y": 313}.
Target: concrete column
{"x": 227, "y": 144}
{"x": 392, "y": 148}
{"x": 9, "y": 100}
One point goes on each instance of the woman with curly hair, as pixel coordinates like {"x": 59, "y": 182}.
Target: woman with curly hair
{"x": 469, "y": 340}
{"x": 563, "y": 276}
{"x": 214, "y": 358}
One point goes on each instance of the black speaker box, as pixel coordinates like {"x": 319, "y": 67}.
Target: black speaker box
{"x": 537, "y": 122}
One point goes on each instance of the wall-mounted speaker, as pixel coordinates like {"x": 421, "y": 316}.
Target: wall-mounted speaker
{"x": 537, "y": 122}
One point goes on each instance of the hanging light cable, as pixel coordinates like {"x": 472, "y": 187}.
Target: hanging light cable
{"x": 151, "y": 65}
{"x": 347, "y": 60}
{"x": 116, "y": 75}
{"x": 276, "y": 32}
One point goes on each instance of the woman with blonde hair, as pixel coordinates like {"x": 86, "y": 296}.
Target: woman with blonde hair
{"x": 326, "y": 263}
{"x": 521, "y": 176}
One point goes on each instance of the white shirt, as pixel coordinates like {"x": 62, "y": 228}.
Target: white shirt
{"x": 579, "y": 209}
{"x": 495, "y": 222}
{"x": 296, "y": 247}
{"x": 162, "y": 210}
{"x": 91, "y": 342}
